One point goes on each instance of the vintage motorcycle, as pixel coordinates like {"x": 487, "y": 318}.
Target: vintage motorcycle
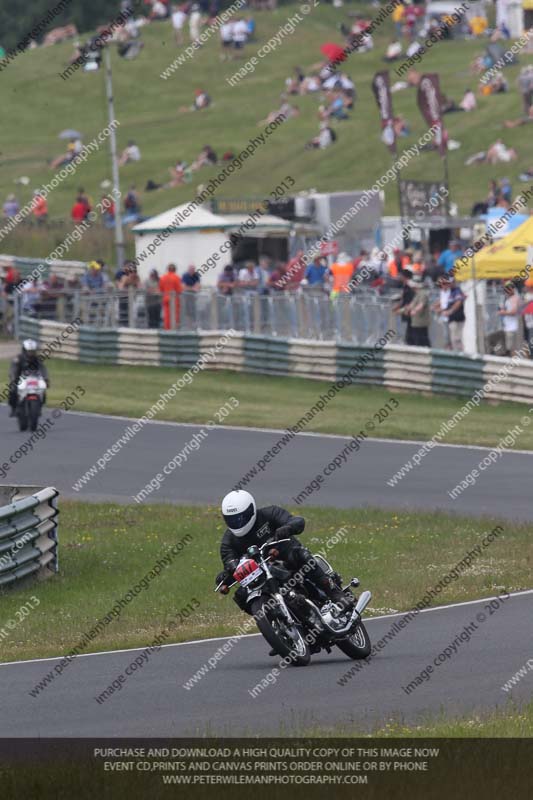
{"x": 31, "y": 391}
{"x": 294, "y": 616}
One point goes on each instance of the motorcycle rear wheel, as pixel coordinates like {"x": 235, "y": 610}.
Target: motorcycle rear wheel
{"x": 357, "y": 646}
{"x": 287, "y": 645}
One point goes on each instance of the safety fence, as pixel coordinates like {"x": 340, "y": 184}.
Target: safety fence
{"x": 358, "y": 318}
{"x": 394, "y": 366}
{"x": 28, "y": 532}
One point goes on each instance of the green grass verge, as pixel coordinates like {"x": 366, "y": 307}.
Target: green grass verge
{"x": 147, "y": 107}
{"x": 267, "y": 401}
{"x": 511, "y": 722}
{"x": 106, "y": 549}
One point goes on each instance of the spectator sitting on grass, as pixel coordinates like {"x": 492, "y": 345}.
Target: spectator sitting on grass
{"x": 325, "y": 138}
{"x": 201, "y": 101}
{"x": 207, "y": 158}
{"x": 73, "y": 148}
{"x": 515, "y": 123}
{"x": 286, "y": 110}
{"x": 132, "y": 206}
{"x": 129, "y": 154}
{"x": 393, "y": 51}
{"x": 11, "y": 206}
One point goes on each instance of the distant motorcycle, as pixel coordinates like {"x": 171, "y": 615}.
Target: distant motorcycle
{"x": 31, "y": 392}
{"x": 294, "y": 616}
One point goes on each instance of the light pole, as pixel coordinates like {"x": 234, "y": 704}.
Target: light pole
{"x": 119, "y": 234}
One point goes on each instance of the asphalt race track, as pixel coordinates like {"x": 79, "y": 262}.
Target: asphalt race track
{"x": 77, "y": 441}
{"x": 153, "y": 701}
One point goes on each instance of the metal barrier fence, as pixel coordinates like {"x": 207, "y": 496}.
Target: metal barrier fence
{"x": 28, "y": 532}
{"x": 359, "y": 318}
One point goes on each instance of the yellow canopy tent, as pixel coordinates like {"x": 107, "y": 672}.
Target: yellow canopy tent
{"x": 506, "y": 258}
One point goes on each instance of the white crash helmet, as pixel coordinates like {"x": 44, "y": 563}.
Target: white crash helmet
{"x": 239, "y": 512}
{"x": 29, "y": 345}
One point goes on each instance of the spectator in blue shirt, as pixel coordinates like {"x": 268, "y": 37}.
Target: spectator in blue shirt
{"x": 191, "y": 279}
{"x": 95, "y": 278}
{"x": 316, "y": 273}
{"x": 449, "y": 256}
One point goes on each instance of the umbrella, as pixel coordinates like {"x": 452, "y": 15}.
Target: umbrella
{"x": 333, "y": 52}
{"x": 70, "y": 133}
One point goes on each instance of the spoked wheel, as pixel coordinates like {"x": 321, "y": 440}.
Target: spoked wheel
{"x": 287, "y": 640}
{"x": 357, "y": 645}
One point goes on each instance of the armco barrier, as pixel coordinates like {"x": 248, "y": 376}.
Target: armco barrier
{"x": 28, "y": 532}
{"x": 399, "y": 368}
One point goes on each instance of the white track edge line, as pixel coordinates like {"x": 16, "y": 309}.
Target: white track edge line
{"x": 233, "y": 636}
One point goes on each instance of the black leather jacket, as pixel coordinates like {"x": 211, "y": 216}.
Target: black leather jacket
{"x": 26, "y": 363}
{"x": 273, "y": 522}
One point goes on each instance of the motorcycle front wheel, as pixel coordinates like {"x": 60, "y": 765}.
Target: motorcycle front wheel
{"x": 34, "y": 412}
{"x": 357, "y": 645}
{"x": 287, "y": 641}
{"x": 22, "y": 419}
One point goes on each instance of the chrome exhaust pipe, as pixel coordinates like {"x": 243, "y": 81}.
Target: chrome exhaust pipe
{"x": 363, "y": 601}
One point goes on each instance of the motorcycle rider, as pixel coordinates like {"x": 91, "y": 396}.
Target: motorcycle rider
{"x": 247, "y": 525}
{"x": 27, "y": 361}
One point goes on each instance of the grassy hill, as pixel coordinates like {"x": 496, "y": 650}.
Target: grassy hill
{"x": 37, "y": 104}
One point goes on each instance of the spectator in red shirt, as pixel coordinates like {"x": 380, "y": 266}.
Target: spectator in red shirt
{"x": 79, "y": 210}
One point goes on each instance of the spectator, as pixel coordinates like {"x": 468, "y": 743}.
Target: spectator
{"x": 240, "y": 33}
{"x": 108, "y": 211}
{"x": 201, "y": 101}
{"x": 178, "y": 22}
{"x": 191, "y": 285}
{"x": 341, "y": 271}
{"x": 402, "y": 306}
{"x": 73, "y": 148}
{"x": 79, "y": 210}
{"x": 171, "y": 287}
{"x": 191, "y": 280}
{"x": 249, "y": 278}
{"x": 325, "y": 138}
{"x": 396, "y": 264}
{"x": 316, "y": 274}
{"x": 153, "y": 299}
{"x": 278, "y": 278}
{"x": 450, "y": 307}
{"x": 11, "y": 206}
{"x": 53, "y": 287}
{"x": 419, "y": 309}
{"x": 129, "y": 154}
{"x": 469, "y": 102}
{"x": 207, "y": 157}
{"x": 296, "y": 269}
{"x": 39, "y": 206}
{"x": 195, "y": 22}
{"x": 31, "y": 295}
{"x": 227, "y": 281}
{"x": 159, "y": 11}
{"x": 449, "y": 256}
{"x": 226, "y": 40}
{"x": 132, "y": 207}
{"x": 500, "y": 153}
{"x": 525, "y": 84}
{"x": 510, "y": 314}
{"x": 393, "y": 51}
{"x": 95, "y": 279}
